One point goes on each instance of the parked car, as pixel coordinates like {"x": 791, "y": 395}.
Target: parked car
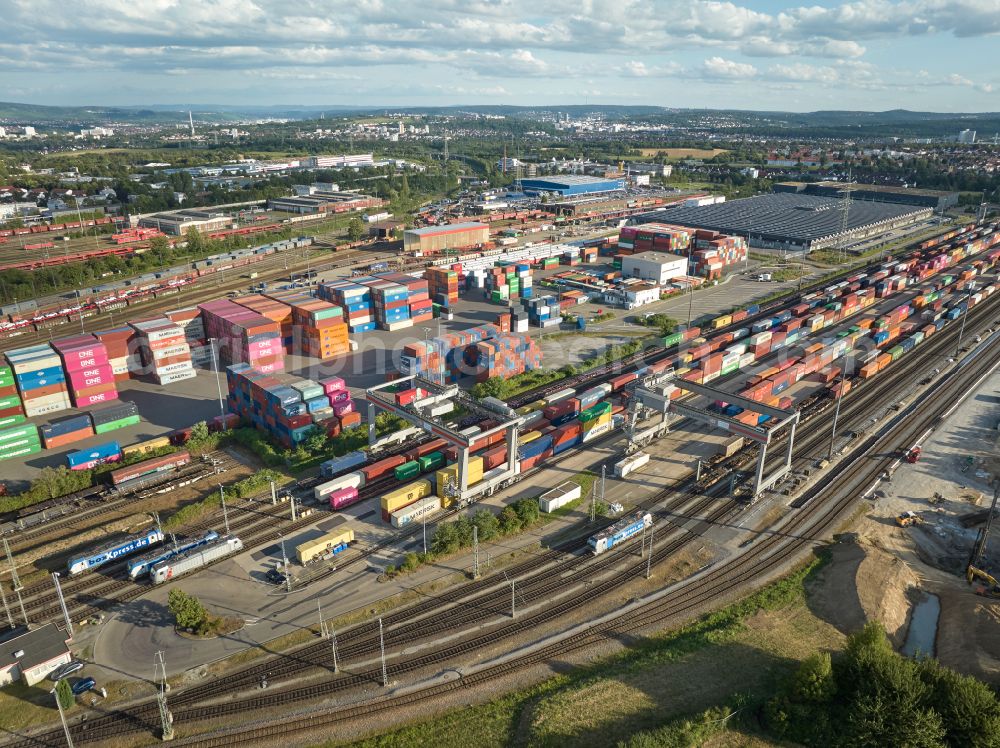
{"x": 73, "y": 666}
{"x": 82, "y": 686}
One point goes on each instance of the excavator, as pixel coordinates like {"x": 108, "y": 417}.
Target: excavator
{"x": 990, "y": 588}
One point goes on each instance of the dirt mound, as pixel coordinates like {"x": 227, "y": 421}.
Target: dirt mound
{"x": 968, "y": 640}
{"x": 863, "y": 583}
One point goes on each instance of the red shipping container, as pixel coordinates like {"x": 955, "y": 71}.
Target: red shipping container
{"x": 64, "y": 439}
{"x": 382, "y": 467}
{"x": 49, "y": 389}
{"x": 494, "y": 457}
{"x": 350, "y": 420}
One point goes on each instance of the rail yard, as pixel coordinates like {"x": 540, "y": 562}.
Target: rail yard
{"x": 222, "y": 432}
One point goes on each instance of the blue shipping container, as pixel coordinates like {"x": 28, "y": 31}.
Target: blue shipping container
{"x": 67, "y": 426}
{"x": 100, "y": 452}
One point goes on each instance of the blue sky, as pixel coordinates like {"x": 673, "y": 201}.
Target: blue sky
{"x": 937, "y": 55}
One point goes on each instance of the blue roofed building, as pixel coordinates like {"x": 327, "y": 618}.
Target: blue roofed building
{"x": 570, "y": 185}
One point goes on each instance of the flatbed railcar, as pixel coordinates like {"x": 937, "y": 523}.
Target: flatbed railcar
{"x": 147, "y": 467}
{"x": 113, "y": 551}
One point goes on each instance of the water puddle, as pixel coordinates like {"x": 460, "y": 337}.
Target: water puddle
{"x": 923, "y": 627}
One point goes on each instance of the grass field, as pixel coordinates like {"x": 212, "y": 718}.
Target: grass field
{"x": 679, "y": 153}
{"x": 651, "y": 693}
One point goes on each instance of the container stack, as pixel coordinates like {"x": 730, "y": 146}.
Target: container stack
{"x": 275, "y": 310}
{"x": 19, "y": 440}
{"x": 40, "y": 379}
{"x": 418, "y": 296}
{"x": 595, "y": 421}
{"x": 85, "y": 361}
{"x": 656, "y": 237}
{"x": 390, "y": 303}
{"x": 67, "y": 431}
{"x": 318, "y": 326}
{"x": 190, "y": 321}
{"x": 115, "y": 416}
{"x": 341, "y": 401}
{"x": 11, "y": 409}
{"x": 244, "y": 336}
{"x": 509, "y": 281}
{"x": 442, "y": 285}
{"x": 164, "y": 351}
{"x": 543, "y": 311}
{"x": 448, "y": 357}
{"x": 356, "y": 301}
{"x": 116, "y": 342}
{"x": 714, "y": 252}
{"x": 85, "y": 459}
{"x": 505, "y": 356}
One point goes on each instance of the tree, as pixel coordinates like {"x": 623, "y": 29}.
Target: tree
{"x": 195, "y": 242}
{"x": 813, "y": 681}
{"x": 355, "y": 230}
{"x": 445, "y": 539}
{"x": 160, "y": 246}
{"x": 199, "y": 433}
{"x": 64, "y": 694}
{"x": 187, "y": 610}
{"x": 509, "y": 522}
{"x": 315, "y": 440}
{"x": 486, "y": 523}
{"x": 527, "y": 511}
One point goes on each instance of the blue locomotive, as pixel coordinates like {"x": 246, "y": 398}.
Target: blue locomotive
{"x": 139, "y": 567}
{"x": 114, "y": 551}
{"x": 619, "y": 532}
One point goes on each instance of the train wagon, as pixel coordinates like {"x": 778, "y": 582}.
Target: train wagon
{"x": 146, "y": 467}
{"x": 194, "y": 559}
{"x": 113, "y": 551}
{"x": 150, "y": 445}
{"x": 619, "y": 532}
{"x": 324, "y": 546}
{"x": 139, "y": 567}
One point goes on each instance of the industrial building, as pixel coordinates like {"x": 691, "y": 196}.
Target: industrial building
{"x": 571, "y": 184}
{"x": 791, "y": 221}
{"x": 937, "y": 199}
{"x": 656, "y": 267}
{"x": 345, "y": 161}
{"x": 324, "y": 202}
{"x": 434, "y": 239}
{"x": 177, "y": 222}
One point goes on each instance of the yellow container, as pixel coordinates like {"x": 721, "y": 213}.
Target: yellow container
{"x": 406, "y": 495}
{"x": 523, "y": 411}
{"x": 450, "y": 474}
{"x": 147, "y": 446}
{"x": 529, "y": 437}
{"x": 311, "y": 549}
{"x": 601, "y": 420}
{"x": 723, "y": 321}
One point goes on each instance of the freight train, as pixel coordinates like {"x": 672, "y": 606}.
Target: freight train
{"x": 194, "y": 559}
{"x": 619, "y": 532}
{"x": 114, "y": 551}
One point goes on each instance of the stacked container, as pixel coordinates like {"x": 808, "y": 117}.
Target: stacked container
{"x": 506, "y": 356}
{"x": 356, "y": 301}
{"x": 442, "y": 285}
{"x": 11, "y": 410}
{"x": 418, "y": 298}
{"x": 508, "y": 281}
{"x": 19, "y": 440}
{"x": 244, "y": 336}
{"x": 85, "y": 361}
{"x": 277, "y": 311}
{"x": 116, "y": 416}
{"x": 390, "y": 303}
{"x": 190, "y": 321}
{"x": 89, "y": 458}
{"x": 67, "y": 431}
{"x": 116, "y": 342}
{"x": 318, "y": 327}
{"x": 657, "y": 237}
{"x": 543, "y": 311}
{"x": 40, "y": 379}
{"x": 164, "y": 351}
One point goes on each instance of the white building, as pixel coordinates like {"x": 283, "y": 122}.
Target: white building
{"x": 656, "y": 267}
{"x": 29, "y": 656}
{"x": 967, "y": 137}
{"x": 29, "y": 132}
{"x": 632, "y": 294}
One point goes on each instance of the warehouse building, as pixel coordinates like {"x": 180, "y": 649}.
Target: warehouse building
{"x": 29, "y": 656}
{"x": 792, "y": 221}
{"x": 572, "y": 184}
{"x": 177, "y": 222}
{"x": 324, "y": 202}
{"x": 356, "y": 161}
{"x": 656, "y": 267}
{"x": 435, "y": 239}
{"x": 936, "y": 199}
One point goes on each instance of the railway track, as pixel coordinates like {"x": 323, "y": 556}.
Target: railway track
{"x": 489, "y": 605}
{"x": 829, "y": 500}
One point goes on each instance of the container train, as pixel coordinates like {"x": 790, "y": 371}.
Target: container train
{"x": 196, "y": 558}
{"x": 114, "y": 551}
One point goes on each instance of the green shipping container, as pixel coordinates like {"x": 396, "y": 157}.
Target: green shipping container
{"x": 11, "y": 420}
{"x": 18, "y": 432}
{"x": 407, "y": 470}
{"x": 896, "y": 352}
{"x": 594, "y": 412}
{"x": 729, "y": 368}
{"x": 22, "y": 443}
{"x": 11, "y": 401}
{"x": 26, "y": 450}
{"x": 430, "y": 461}
{"x": 119, "y": 424}
{"x": 672, "y": 339}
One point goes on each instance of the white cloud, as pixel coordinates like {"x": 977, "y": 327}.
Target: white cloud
{"x": 719, "y": 67}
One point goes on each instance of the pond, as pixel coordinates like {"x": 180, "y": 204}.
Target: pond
{"x": 923, "y": 627}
